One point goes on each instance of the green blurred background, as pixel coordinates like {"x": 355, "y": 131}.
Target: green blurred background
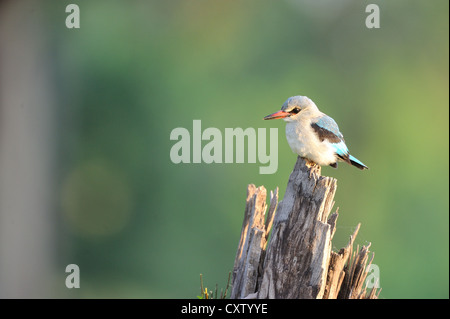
{"x": 86, "y": 116}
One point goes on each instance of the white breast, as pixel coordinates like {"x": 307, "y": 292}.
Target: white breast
{"x": 303, "y": 141}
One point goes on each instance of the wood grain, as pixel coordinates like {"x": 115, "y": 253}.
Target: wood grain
{"x": 297, "y": 261}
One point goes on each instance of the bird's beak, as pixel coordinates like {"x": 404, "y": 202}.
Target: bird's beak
{"x": 277, "y": 115}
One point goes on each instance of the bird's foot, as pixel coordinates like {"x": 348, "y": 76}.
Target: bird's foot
{"x": 312, "y": 167}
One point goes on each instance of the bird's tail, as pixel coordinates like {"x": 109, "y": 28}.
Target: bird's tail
{"x": 357, "y": 163}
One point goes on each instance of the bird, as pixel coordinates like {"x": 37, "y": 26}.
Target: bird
{"x": 314, "y": 135}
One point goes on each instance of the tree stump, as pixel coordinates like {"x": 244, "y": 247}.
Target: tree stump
{"x": 297, "y": 261}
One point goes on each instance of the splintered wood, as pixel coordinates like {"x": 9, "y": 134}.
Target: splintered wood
{"x": 297, "y": 261}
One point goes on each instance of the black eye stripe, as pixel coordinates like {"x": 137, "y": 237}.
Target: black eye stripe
{"x": 295, "y": 110}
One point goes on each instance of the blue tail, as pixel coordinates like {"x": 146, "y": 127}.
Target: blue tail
{"x": 357, "y": 163}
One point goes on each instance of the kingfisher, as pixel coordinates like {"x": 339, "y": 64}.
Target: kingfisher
{"x": 312, "y": 134}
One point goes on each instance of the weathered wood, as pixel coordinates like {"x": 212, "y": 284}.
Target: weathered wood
{"x": 298, "y": 261}
{"x": 355, "y": 275}
{"x": 300, "y": 244}
{"x": 252, "y": 243}
{"x": 336, "y": 271}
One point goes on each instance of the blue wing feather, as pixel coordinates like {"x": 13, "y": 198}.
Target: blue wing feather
{"x": 340, "y": 148}
{"x": 329, "y": 124}
{"x": 326, "y": 128}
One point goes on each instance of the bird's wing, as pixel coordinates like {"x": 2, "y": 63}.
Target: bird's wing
{"x": 327, "y": 129}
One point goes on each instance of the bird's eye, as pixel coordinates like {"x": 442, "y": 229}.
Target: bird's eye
{"x": 295, "y": 110}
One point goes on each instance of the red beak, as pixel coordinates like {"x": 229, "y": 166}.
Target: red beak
{"x": 277, "y": 115}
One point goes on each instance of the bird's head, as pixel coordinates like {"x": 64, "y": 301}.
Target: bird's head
{"x": 292, "y": 108}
